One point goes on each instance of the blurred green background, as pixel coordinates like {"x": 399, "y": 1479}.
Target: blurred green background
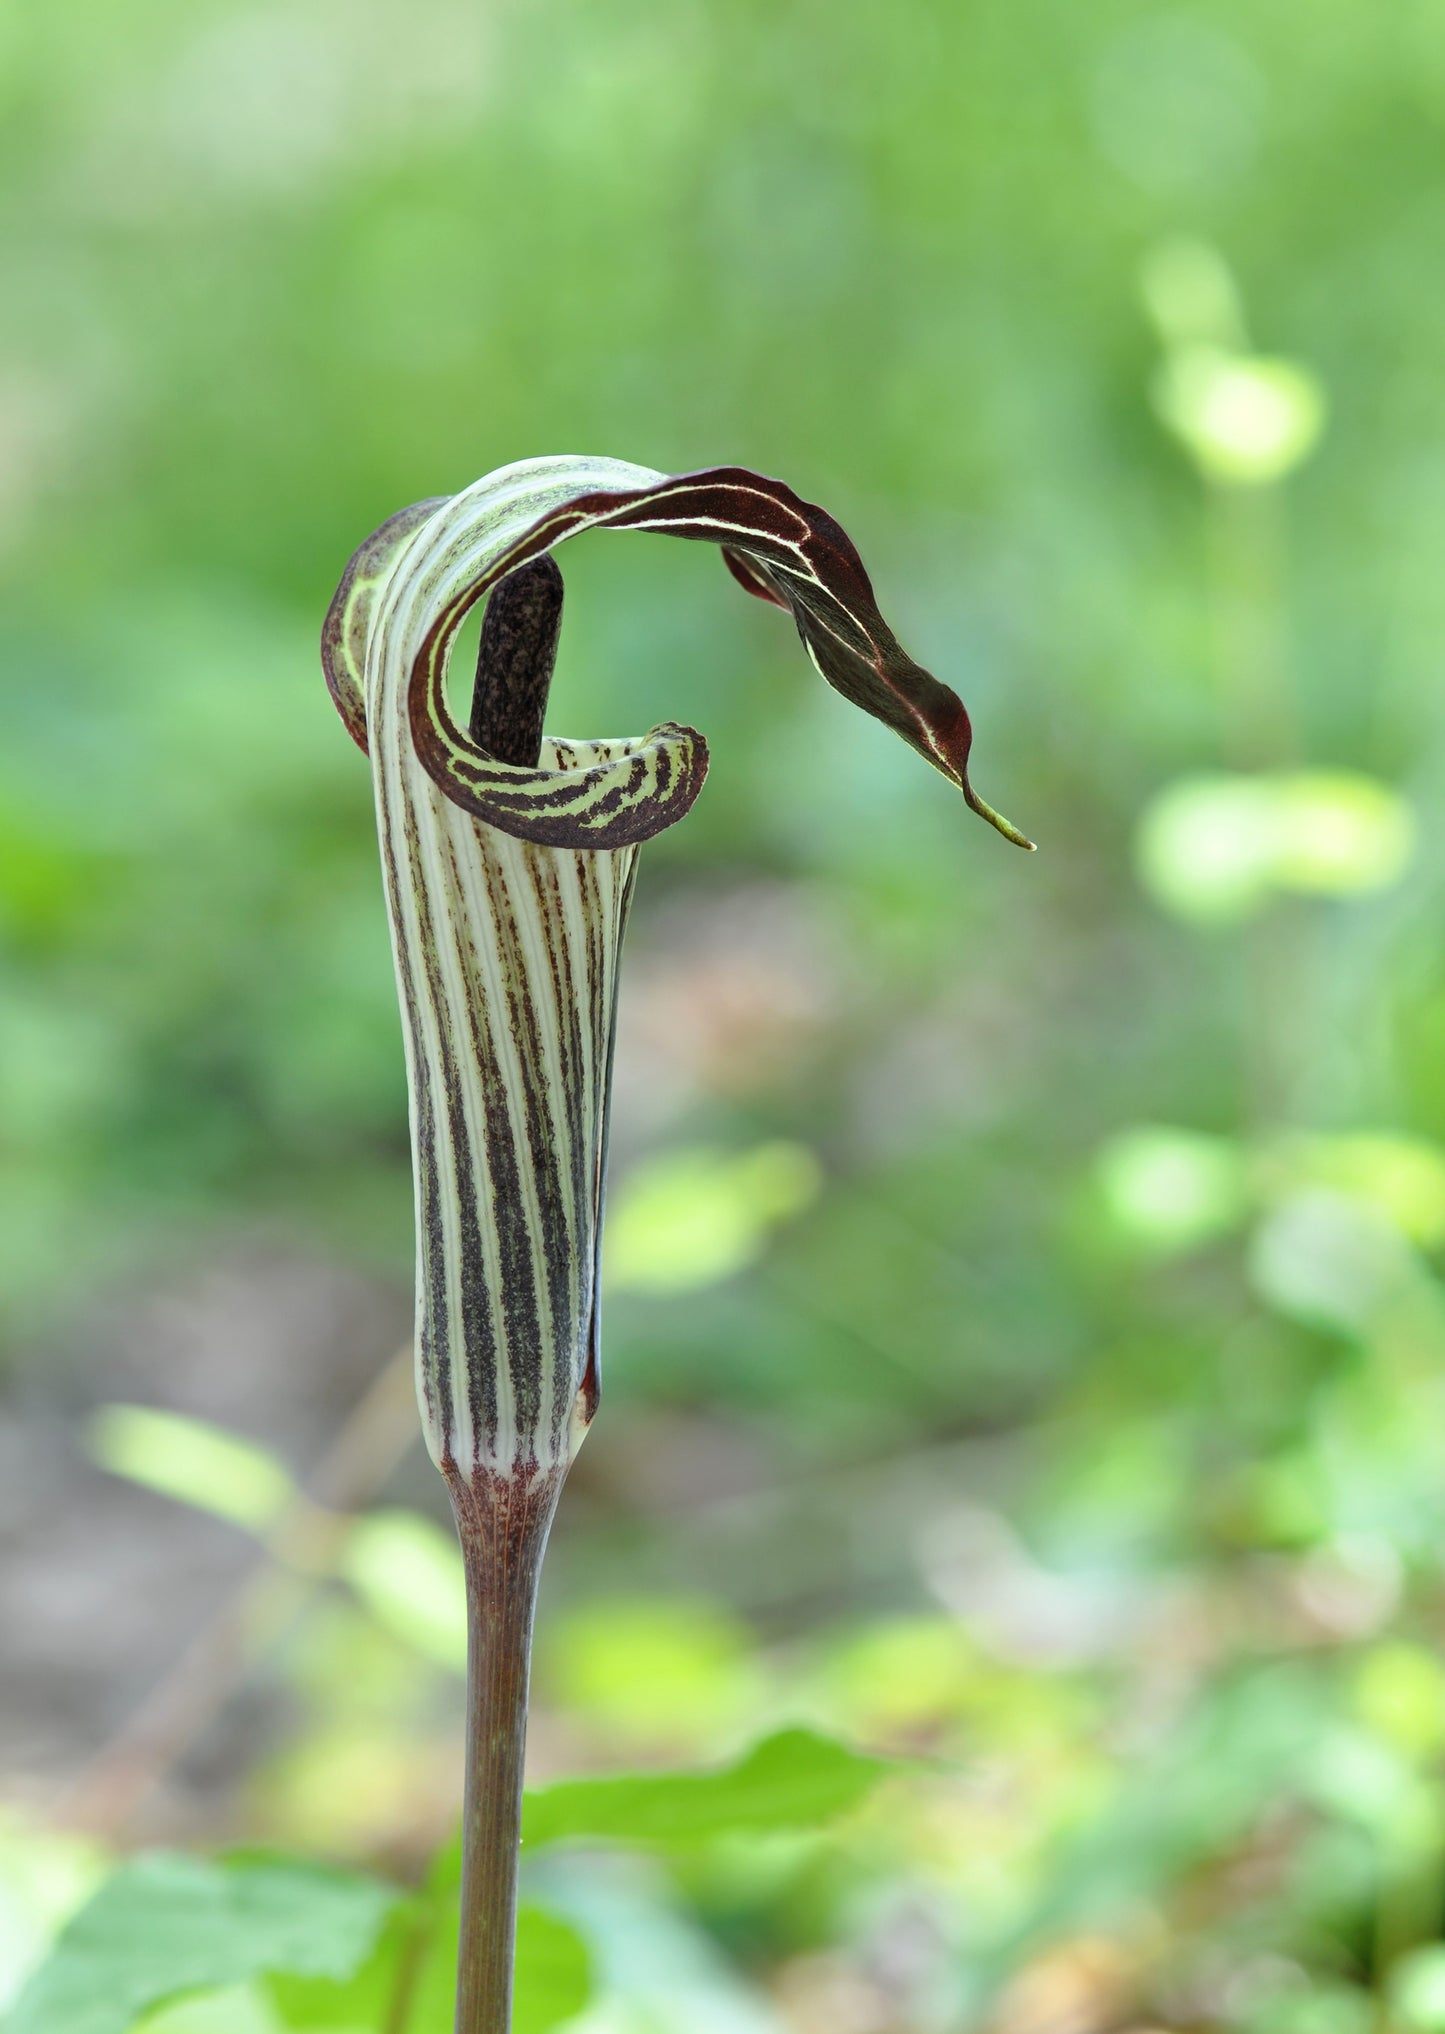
{"x": 1025, "y": 1352}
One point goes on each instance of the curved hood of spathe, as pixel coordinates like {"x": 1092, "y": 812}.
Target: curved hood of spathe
{"x": 410, "y": 585}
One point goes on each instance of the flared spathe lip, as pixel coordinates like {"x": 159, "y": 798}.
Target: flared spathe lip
{"x": 413, "y": 581}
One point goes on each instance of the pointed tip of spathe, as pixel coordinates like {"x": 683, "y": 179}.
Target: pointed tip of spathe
{"x": 997, "y": 821}
{"x": 949, "y": 744}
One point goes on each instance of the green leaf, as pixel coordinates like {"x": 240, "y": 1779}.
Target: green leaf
{"x": 192, "y": 1462}
{"x": 408, "y": 1573}
{"x": 358, "y": 2004}
{"x": 239, "y": 2009}
{"x": 657, "y": 1671}
{"x": 408, "y": 1984}
{"x": 690, "y": 1218}
{"x": 1417, "y": 1988}
{"x": 793, "y": 1781}
{"x": 1168, "y": 1190}
{"x": 163, "y": 1926}
{"x": 1215, "y": 850}
{"x": 1246, "y": 419}
{"x": 553, "y": 1971}
{"x": 553, "y": 1980}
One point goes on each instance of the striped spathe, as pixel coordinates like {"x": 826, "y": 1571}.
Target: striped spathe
{"x": 507, "y": 958}
{"x": 508, "y": 887}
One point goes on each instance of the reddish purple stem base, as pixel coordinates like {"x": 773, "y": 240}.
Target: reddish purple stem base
{"x": 503, "y": 1523}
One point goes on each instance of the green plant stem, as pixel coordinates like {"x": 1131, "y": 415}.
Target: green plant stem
{"x": 503, "y": 1523}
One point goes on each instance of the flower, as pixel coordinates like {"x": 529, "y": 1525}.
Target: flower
{"x": 509, "y": 861}
{"x": 508, "y": 877}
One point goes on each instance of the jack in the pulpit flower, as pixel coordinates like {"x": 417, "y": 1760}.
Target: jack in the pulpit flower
{"x": 509, "y": 858}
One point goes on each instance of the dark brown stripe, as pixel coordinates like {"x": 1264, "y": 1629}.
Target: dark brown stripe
{"x": 479, "y": 1352}
{"x": 517, "y": 1299}
{"x": 562, "y": 1215}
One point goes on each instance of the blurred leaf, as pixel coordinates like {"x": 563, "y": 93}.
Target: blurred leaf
{"x": 1168, "y": 1190}
{"x": 349, "y": 1784}
{"x": 240, "y": 2009}
{"x": 1214, "y": 850}
{"x": 1205, "y": 848}
{"x": 1339, "y": 833}
{"x": 1417, "y": 1988}
{"x": 352, "y": 2005}
{"x": 552, "y": 1980}
{"x": 1400, "y": 1695}
{"x": 1402, "y": 1176}
{"x": 166, "y": 1925}
{"x": 553, "y": 1976}
{"x": 652, "y": 1672}
{"x": 59, "y": 1067}
{"x": 1244, "y": 418}
{"x": 408, "y": 1573}
{"x": 1191, "y": 294}
{"x": 793, "y": 1781}
{"x": 48, "y": 881}
{"x": 1315, "y": 2005}
{"x": 1247, "y": 1740}
{"x": 1363, "y": 1779}
{"x": 690, "y": 1218}
{"x": 45, "y": 1874}
{"x": 1328, "y": 1260}
{"x": 904, "y": 1674}
{"x": 193, "y": 1462}
{"x": 415, "y": 1960}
